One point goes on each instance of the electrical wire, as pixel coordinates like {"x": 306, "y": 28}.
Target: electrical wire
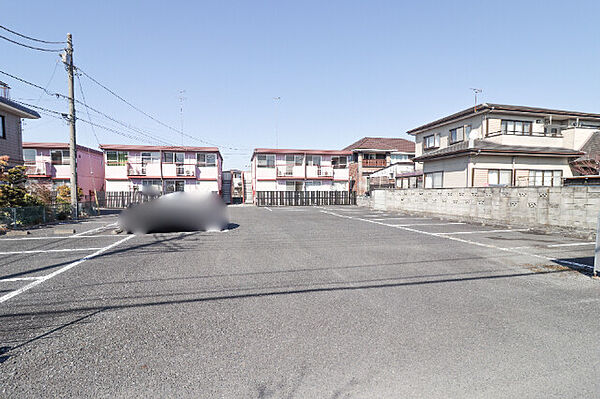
{"x": 29, "y": 37}
{"x": 31, "y": 47}
{"x": 150, "y": 116}
{"x": 49, "y": 81}
{"x": 33, "y": 85}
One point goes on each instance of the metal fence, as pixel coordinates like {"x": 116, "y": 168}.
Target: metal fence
{"x": 122, "y": 199}
{"x": 31, "y": 215}
{"x": 304, "y": 198}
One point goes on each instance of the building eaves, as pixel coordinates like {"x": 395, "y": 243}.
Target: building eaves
{"x": 18, "y": 109}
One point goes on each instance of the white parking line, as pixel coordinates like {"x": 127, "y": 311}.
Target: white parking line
{"x": 571, "y": 244}
{"x": 56, "y": 237}
{"x": 41, "y": 251}
{"x": 401, "y": 218}
{"x": 61, "y": 270}
{"x": 96, "y": 229}
{"x": 430, "y": 224}
{"x": 268, "y": 209}
{"x": 484, "y": 231}
{"x": 480, "y": 244}
{"x": 9, "y": 280}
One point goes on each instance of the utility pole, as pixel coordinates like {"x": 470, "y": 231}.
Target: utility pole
{"x": 68, "y": 60}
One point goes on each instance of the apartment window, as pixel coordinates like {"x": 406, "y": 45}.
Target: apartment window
{"x": 552, "y": 131}
{"x": 296, "y": 160}
{"x": 156, "y": 184}
{"x": 265, "y": 160}
{"x": 434, "y": 179}
{"x": 60, "y": 157}
{"x": 206, "y": 159}
{"x": 339, "y": 162}
{"x": 520, "y": 128}
{"x": 432, "y": 141}
{"x": 313, "y": 160}
{"x": 398, "y": 158}
{"x": 116, "y": 158}
{"x": 29, "y": 155}
{"x": 150, "y": 157}
{"x": 459, "y": 134}
{"x": 499, "y": 177}
{"x": 545, "y": 178}
{"x": 2, "y": 127}
{"x": 179, "y": 157}
{"x": 293, "y": 186}
{"x": 168, "y": 157}
{"x": 172, "y": 186}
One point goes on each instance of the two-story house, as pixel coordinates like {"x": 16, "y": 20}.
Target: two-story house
{"x": 49, "y": 164}
{"x": 11, "y": 137}
{"x": 371, "y": 154}
{"x": 166, "y": 169}
{"x": 300, "y": 170}
{"x": 502, "y": 145}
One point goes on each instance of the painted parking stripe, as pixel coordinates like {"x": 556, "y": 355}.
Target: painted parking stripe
{"x": 57, "y": 237}
{"x": 430, "y": 224}
{"x": 573, "y": 244}
{"x": 483, "y": 231}
{"x": 13, "y": 279}
{"x": 400, "y": 218}
{"x": 61, "y": 270}
{"x": 43, "y": 251}
{"x": 268, "y": 209}
{"x": 476, "y": 243}
{"x": 96, "y": 229}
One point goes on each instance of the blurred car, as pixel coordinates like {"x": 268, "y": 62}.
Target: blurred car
{"x": 177, "y": 211}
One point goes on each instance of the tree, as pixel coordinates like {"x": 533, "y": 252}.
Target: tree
{"x": 64, "y": 194}
{"x": 12, "y": 190}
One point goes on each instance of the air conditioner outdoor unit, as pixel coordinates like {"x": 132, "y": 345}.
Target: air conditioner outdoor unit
{"x": 188, "y": 172}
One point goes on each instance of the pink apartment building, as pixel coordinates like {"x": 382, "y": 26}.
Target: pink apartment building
{"x": 167, "y": 169}
{"x": 49, "y": 164}
{"x": 300, "y": 170}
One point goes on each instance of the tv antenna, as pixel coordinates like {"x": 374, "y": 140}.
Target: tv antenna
{"x": 475, "y": 92}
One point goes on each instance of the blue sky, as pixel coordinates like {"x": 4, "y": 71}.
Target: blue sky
{"x": 343, "y": 69}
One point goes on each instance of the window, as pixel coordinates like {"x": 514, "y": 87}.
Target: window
{"x": 434, "y": 180}
{"x": 116, "y": 158}
{"x": 398, "y": 158}
{"x": 499, "y": 177}
{"x": 294, "y": 160}
{"x": 265, "y": 160}
{"x": 29, "y": 155}
{"x": 521, "y": 128}
{"x": 546, "y": 178}
{"x": 60, "y": 157}
{"x": 179, "y": 157}
{"x": 168, "y": 157}
{"x": 293, "y": 186}
{"x": 313, "y": 160}
{"x": 339, "y": 162}
{"x": 457, "y": 134}
{"x": 150, "y": 157}
{"x": 174, "y": 185}
{"x": 432, "y": 141}
{"x": 206, "y": 159}
{"x": 2, "y": 128}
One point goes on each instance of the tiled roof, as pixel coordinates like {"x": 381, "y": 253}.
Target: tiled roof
{"x": 591, "y": 148}
{"x": 488, "y": 107}
{"x": 489, "y": 147}
{"x": 383, "y": 143}
{"x": 129, "y": 147}
{"x": 62, "y": 146}
{"x": 298, "y": 151}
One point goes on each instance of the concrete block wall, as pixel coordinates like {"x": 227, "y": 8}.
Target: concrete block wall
{"x": 572, "y": 208}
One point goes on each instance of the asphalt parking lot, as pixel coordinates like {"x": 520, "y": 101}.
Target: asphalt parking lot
{"x": 299, "y": 302}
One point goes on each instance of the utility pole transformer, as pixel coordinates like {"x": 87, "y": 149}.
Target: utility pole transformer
{"x": 73, "y": 140}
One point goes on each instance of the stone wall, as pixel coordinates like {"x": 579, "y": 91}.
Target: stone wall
{"x": 574, "y": 208}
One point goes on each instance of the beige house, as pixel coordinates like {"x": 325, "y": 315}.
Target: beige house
{"x": 502, "y": 145}
{"x": 10, "y": 126}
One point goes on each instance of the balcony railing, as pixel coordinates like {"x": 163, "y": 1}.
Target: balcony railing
{"x": 374, "y": 163}
{"x": 37, "y": 168}
{"x": 288, "y": 171}
{"x": 136, "y": 169}
{"x": 188, "y": 170}
{"x": 325, "y": 171}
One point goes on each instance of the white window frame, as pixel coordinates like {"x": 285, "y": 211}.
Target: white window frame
{"x": 265, "y": 160}
{"x": 30, "y": 150}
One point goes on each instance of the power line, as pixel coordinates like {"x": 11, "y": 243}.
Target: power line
{"x": 31, "y": 47}
{"x": 29, "y": 37}
{"x": 49, "y": 81}
{"x": 150, "y": 116}
{"x": 32, "y": 84}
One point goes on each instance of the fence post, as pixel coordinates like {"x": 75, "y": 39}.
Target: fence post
{"x": 14, "y": 217}
{"x": 597, "y": 249}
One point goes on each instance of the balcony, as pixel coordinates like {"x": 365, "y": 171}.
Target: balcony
{"x": 290, "y": 171}
{"x": 374, "y": 163}
{"x": 136, "y": 169}
{"x": 38, "y": 169}
{"x": 185, "y": 170}
{"x": 315, "y": 171}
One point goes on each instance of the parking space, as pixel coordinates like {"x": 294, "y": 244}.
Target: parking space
{"x": 346, "y": 299}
